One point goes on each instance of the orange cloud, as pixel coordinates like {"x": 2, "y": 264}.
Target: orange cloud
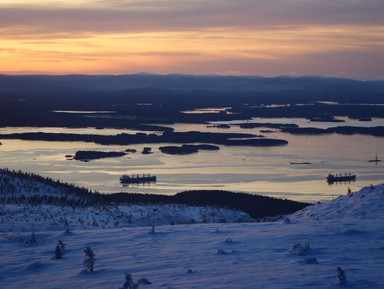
{"x": 249, "y": 37}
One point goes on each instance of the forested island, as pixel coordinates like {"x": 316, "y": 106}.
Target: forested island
{"x": 93, "y": 155}
{"x": 186, "y": 149}
{"x": 229, "y": 139}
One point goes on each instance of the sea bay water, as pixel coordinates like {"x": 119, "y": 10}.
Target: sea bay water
{"x": 295, "y": 171}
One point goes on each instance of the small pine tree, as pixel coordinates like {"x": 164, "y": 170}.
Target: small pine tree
{"x": 61, "y": 244}
{"x": 128, "y": 281}
{"x": 94, "y": 223}
{"x": 66, "y": 226}
{"x": 340, "y": 276}
{"x": 90, "y": 259}
{"x": 152, "y": 231}
{"x": 59, "y": 251}
{"x": 32, "y": 240}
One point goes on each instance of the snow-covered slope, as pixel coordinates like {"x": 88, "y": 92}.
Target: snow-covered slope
{"x": 30, "y": 202}
{"x": 302, "y": 253}
{"x": 27, "y": 218}
{"x": 366, "y": 203}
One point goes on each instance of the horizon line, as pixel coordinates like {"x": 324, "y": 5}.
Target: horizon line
{"x": 189, "y": 74}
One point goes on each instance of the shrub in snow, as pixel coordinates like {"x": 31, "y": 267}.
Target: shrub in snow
{"x": 372, "y": 187}
{"x": 299, "y": 249}
{"x": 32, "y": 240}
{"x": 287, "y": 220}
{"x": 35, "y": 266}
{"x": 222, "y": 252}
{"x": 15, "y": 237}
{"x": 340, "y": 276}
{"x": 129, "y": 284}
{"x": 228, "y": 241}
{"x": 310, "y": 260}
{"x": 222, "y": 220}
{"x": 90, "y": 259}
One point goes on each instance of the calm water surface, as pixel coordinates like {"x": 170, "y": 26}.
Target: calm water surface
{"x": 258, "y": 170}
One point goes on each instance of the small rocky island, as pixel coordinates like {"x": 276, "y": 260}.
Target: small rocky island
{"x": 87, "y": 156}
{"x": 186, "y": 149}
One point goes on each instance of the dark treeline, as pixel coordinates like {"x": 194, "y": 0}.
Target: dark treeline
{"x": 256, "y": 206}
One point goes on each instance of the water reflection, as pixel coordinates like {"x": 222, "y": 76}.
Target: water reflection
{"x": 262, "y": 170}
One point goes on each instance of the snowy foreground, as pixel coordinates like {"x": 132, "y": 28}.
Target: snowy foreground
{"x": 302, "y": 251}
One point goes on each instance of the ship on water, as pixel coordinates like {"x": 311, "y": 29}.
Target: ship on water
{"x": 335, "y": 178}
{"x": 137, "y": 179}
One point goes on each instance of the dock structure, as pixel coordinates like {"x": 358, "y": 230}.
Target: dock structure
{"x": 137, "y": 179}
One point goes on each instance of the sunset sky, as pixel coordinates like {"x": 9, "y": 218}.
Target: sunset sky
{"x": 343, "y": 38}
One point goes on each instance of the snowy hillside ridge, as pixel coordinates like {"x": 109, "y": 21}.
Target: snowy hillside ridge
{"x": 24, "y": 218}
{"x": 29, "y": 202}
{"x": 366, "y": 203}
{"x": 20, "y": 188}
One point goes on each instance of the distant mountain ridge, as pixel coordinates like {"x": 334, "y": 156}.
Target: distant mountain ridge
{"x": 184, "y": 82}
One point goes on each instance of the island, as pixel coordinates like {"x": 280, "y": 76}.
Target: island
{"x": 86, "y": 156}
{"x": 228, "y": 139}
{"x": 186, "y": 149}
{"x": 346, "y": 130}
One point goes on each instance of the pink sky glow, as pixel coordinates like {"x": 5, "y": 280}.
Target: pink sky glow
{"x": 252, "y": 37}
